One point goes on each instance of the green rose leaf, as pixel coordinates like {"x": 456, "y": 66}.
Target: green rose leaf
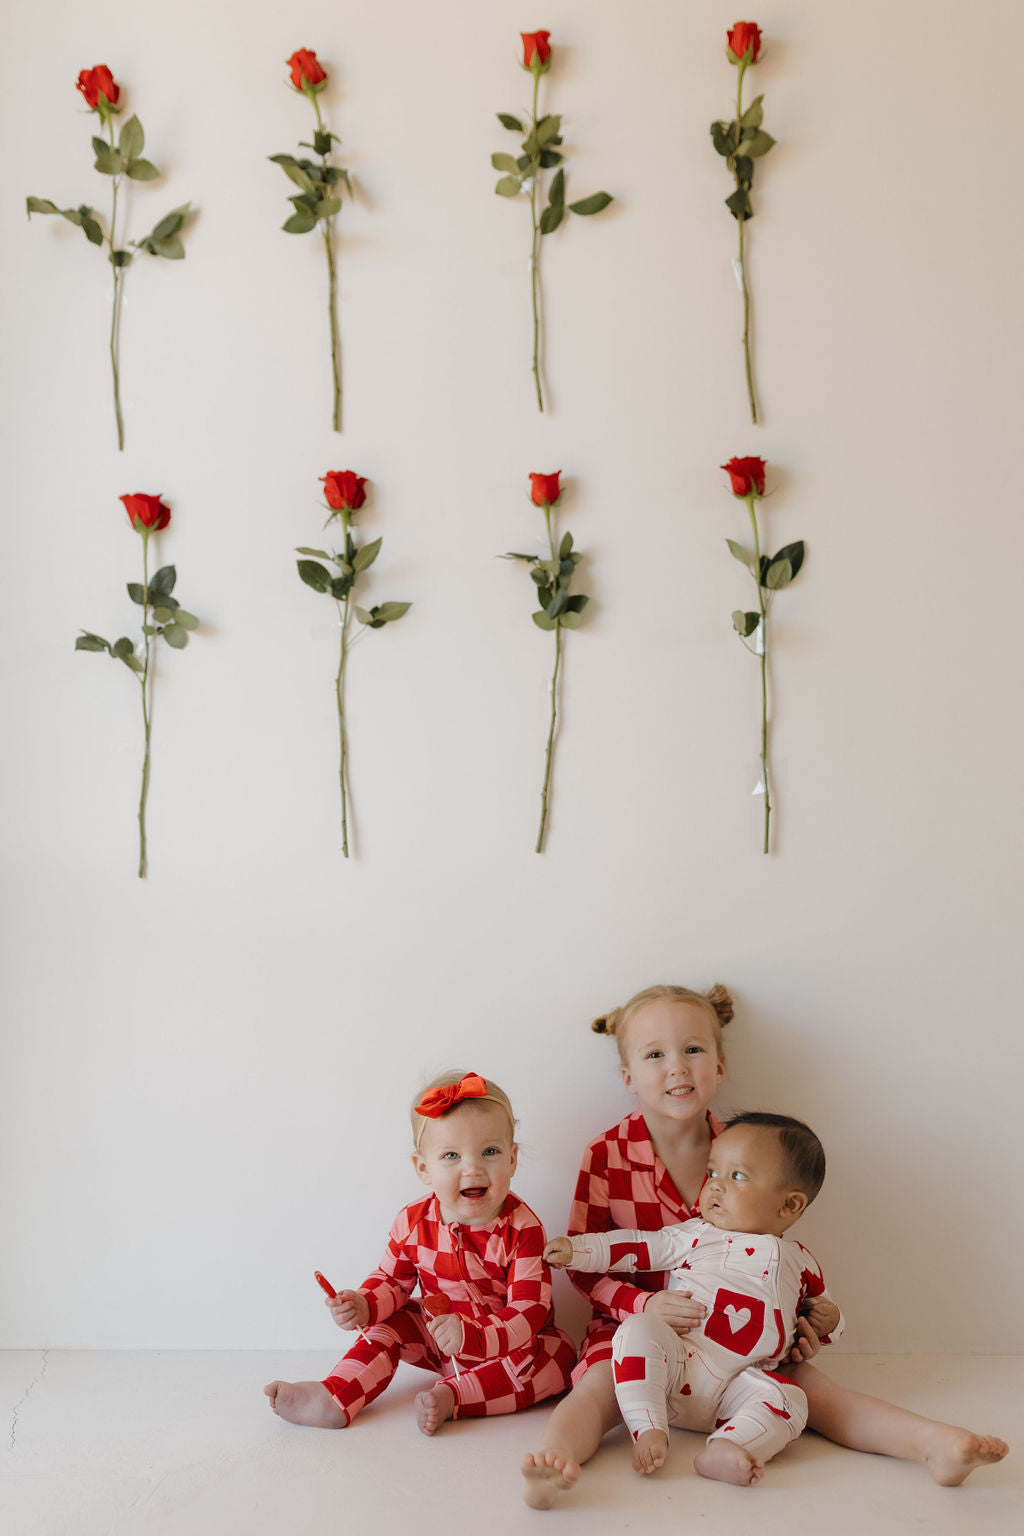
{"x": 549, "y": 157}
{"x": 745, "y": 623}
{"x": 93, "y": 232}
{"x": 120, "y": 258}
{"x": 739, "y": 204}
{"x": 578, "y": 603}
{"x": 108, "y": 161}
{"x": 327, "y": 207}
{"x": 723, "y": 136}
{"x": 388, "y": 612}
{"x": 299, "y": 224}
{"x": 185, "y": 619}
{"x": 300, "y": 177}
{"x": 565, "y": 548}
{"x": 760, "y": 144}
{"x": 122, "y": 647}
{"x": 283, "y": 159}
{"x": 508, "y": 121}
{"x": 314, "y": 575}
{"x": 302, "y": 550}
{"x": 508, "y": 186}
{"x": 551, "y": 217}
{"x": 542, "y": 621}
{"x": 794, "y": 553}
{"x": 136, "y": 593}
{"x": 592, "y": 204}
{"x": 40, "y": 205}
{"x": 176, "y": 637}
{"x": 539, "y": 576}
{"x": 557, "y": 194}
{"x": 99, "y": 146}
{"x": 170, "y": 223}
{"x": 133, "y": 662}
{"x": 163, "y": 581}
{"x": 504, "y": 163}
{"x": 171, "y": 250}
{"x": 547, "y": 129}
{"x": 363, "y": 616}
{"x": 341, "y": 586}
{"x": 131, "y": 139}
{"x": 779, "y": 574}
{"x": 89, "y": 642}
{"x": 754, "y": 114}
{"x": 571, "y": 619}
{"x": 163, "y": 615}
{"x": 741, "y": 553}
{"x": 367, "y": 555}
{"x": 142, "y": 170}
{"x": 514, "y": 555}
{"x": 558, "y": 603}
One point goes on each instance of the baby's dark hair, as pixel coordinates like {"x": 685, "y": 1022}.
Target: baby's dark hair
{"x": 804, "y": 1153}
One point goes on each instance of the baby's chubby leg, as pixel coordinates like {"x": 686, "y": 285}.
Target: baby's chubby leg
{"x": 728, "y": 1463}
{"x": 571, "y": 1436}
{"x": 306, "y": 1402}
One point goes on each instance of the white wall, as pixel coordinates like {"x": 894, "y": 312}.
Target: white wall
{"x": 205, "y": 1076}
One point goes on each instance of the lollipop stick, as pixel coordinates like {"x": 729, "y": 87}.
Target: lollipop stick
{"x": 328, "y": 1289}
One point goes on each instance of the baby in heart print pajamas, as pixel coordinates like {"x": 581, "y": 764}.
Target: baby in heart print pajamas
{"x": 721, "y": 1376}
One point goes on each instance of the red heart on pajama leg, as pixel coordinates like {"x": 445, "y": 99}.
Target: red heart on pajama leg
{"x": 686, "y": 1389}
{"x": 749, "y": 1252}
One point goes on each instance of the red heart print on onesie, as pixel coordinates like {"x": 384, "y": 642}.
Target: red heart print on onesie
{"x": 749, "y": 1252}
{"x": 686, "y": 1389}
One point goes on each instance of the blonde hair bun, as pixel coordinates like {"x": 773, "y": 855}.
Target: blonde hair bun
{"x": 721, "y": 1001}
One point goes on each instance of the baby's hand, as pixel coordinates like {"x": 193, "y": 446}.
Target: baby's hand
{"x": 447, "y": 1332}
{"x": 806, "y": 1343}
{"x": 823, "y": 1316}
{"x": 350, "y": 1309}
{"x": 677, "y": 1308}
{"x": 558, "y": 1252}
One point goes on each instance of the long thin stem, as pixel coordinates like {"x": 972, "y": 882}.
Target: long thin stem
{"x": 743, "y": 270}
{"x": 339, "y": 690}
{"x": 115, "y": 319}
{"x": 764, "y": 671}
{"x": 146, "y": 637}
{"x": 534, "y": 256}
{"x": 332, "y": 294}
{"x": 554, "y": 709}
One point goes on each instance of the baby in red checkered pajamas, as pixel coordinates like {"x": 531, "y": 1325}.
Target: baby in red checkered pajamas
{"x": 646, "y": 1173}
{"x": 722, "y": 1376}
{"x": 483, "y": 1318}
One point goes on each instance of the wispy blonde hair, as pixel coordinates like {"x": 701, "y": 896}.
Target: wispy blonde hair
{"x": 715, "y": 1002}
{"x": 494, "y": 1095}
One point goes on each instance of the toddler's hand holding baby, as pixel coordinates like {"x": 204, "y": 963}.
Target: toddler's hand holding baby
{"x": 558, "y": 1252}
{"x": 350, "y": 1309}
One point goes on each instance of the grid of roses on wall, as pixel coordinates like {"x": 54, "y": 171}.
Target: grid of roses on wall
{"x": 532, "y": 174}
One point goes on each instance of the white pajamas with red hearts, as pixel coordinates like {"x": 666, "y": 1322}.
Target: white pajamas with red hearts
{"x": 719, "y": 1377}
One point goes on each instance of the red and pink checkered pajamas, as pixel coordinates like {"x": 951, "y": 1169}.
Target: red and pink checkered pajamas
{"x": 622, "y": 1183}
{"x": 718, "y": 1377}
{"x": 498, "y": 1284}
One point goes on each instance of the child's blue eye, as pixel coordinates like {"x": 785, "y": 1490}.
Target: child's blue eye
{"x": 446, "y": 1155}
{"x": 492, "y": 1152}
{"x": 653, "y": 1055}
{"x": 694, "y": 1050}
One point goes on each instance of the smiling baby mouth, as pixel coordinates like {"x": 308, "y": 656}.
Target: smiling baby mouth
{"x": 474, "y": 1192}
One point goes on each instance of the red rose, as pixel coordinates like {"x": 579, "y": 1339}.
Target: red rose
{"x": 544, "y": 489}
{"x": 747, "y": 476}
{"x": 147, "y": 513}
{"x": 94, "y": 82}
{"x": 536, "y": 50}
{"x": 305, "y": 67}
{"x": 744, "y": 38}
{"x": 344, "y": 490}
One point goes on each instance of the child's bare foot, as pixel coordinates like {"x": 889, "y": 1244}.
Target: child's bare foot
{"x": 952, "y": 1454}
{"x": 650, "y": 1450}
{"x": 434, "y": 1407}
{"x": 547, "y": 1474}
{"x": 306, "y": 1402}
{"x": 727, "y": 1462}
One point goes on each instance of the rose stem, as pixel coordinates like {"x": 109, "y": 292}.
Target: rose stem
{"x": 534, "y": 253}
{"x": 115, "y": 319}
{"x": 339, "y": 690}
{"x": 554, "y": 705}
{"x": 331, "y": 295}
{"x": 743, "y": 271}
{"x": 764, "y": 673}
{"x": 145, "y": 704}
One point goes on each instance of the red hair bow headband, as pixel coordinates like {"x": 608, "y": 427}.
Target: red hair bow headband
{"x": 438, "y": 1101}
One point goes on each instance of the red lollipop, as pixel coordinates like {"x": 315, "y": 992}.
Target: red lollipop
{"x": 324, "y": 1284}
{"x": 436, "y": 1306}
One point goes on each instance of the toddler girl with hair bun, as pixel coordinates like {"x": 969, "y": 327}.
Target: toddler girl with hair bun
{"x": 483, "y": 1318}
{"x": 647, "y": 1173}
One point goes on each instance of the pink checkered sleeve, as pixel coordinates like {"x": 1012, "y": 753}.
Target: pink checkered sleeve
{"x": 527, "y": 1305}
{"x": 590, "y": 1213}
{"x": 392, "y": 1282}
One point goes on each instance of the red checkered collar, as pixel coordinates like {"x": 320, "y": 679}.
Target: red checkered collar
{"x": 432, "y": 1210}
{"x": 641, "y": 1150}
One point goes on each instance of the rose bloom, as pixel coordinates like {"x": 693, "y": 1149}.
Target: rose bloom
{"x": 344, "y": 490}
{"x": 536, "y": 45}
{"x": 146, "y": 513}
{"x": 744, "y": 35}
{"x": 544, "y": 489}
{"x": 91, "y": 82}
{"x": 305, "y": 66}
{"x": 746, "y": 475}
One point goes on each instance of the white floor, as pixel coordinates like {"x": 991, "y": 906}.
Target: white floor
{"x": 119, "y": 1444}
